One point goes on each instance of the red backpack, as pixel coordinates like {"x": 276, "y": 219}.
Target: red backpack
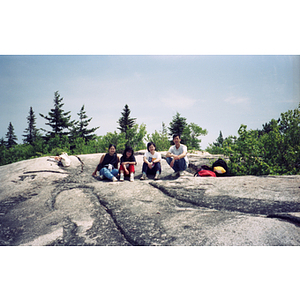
{"x": 205, "y": 171}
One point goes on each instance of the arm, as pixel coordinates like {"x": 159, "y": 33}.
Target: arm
{"x": 158, "y": 159}
{"x": 175, "y": 157}
{"x": 101, "y": 160}
{"x": 182, "y": 155}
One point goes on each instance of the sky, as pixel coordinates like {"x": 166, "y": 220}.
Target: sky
{"x": 217, "y": 92}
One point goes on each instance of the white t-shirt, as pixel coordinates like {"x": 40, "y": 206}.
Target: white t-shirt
{"x": 151, "y": 157}
{"x": 182, "y": 148}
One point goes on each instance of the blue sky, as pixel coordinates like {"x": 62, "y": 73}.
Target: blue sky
{"x": 217, "y": 92}
{"x": 218, "y": 64}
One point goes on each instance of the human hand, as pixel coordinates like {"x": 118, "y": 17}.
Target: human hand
{"x": 172, "y": 163}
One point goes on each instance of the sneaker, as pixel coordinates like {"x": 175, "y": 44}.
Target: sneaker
{"x": 101, "y": 177}
{"x": 131, "y": 177}
{"x": 175, "y": 174}
{"x": 114, "y": 179}
{"x": 144, "y": 177}
{"x": 156, "y": 176}
{"x": 181, "y": 173}
{"x": 122, "y": 177}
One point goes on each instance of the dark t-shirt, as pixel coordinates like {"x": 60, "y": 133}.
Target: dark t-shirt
{"x": 130, "y": 159}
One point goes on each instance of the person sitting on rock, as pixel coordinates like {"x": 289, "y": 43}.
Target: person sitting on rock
{"x": 151, "y": 163}
{"x": 127, "y": 164}
{"x": 108, "y": 166}
{"x": 177, "y": 156}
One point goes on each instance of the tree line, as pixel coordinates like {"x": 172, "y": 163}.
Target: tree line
{"x": 272, "y": 150}
{"x": 75, "y": 136}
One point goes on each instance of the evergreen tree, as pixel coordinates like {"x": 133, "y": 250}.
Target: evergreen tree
{"x": 80, "y": 127}
{"x": 57, "y": 118}
{"x": 219, "y": 140}
{"x": 125, "y": 122}
{"x": 2, "y": 142}
{"x": 31, "y": 131}
{"x": 177, "y": 125}
{"x": 11, "y": 137}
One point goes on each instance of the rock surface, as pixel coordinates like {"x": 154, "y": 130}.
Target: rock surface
{"x": 44, "y": 204}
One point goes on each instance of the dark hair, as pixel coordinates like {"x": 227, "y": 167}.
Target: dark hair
{"x": 175, "y": 135}
{"x": 128, "y": 148}
{"x": 149, "y": 144}
{"x": 111, "y": 145}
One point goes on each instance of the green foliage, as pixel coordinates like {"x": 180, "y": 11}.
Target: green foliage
{"x": 190, "y": 135}
{"x": 135, "y": 137}
{"x": 118, "y": 139}
{"x": 57, "y": 119}
{"x": 80, "y": 130}
{"x": 125, "y": 122}
{"x": 273, "y": 150}
{"x": 177, "y": 125}
{"x": 31, "y": 131}
{"x": 160, "y": 139}
{"x": 189, "y": 132}
{"x": 11, "y": 137}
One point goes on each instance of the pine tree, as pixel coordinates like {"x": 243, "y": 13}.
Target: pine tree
{"x": 177, "y": 125}
{"x": 219, "y": 141}
{"x": 57, "y": 118}
{"x": 31, "y": 131}
{"x": 125, "y": 122}
{"x": 80, "y": 127}
{"x": 2, "y": 142}
{"x": 11, "y": 137}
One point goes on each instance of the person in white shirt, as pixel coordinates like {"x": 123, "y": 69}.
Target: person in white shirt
{"x": 177, "y": 156}
{"x": 151, "y": 163}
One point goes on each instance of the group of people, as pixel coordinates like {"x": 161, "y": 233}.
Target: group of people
{"x": 108, "y": 167}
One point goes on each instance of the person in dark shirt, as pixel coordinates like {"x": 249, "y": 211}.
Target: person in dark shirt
{"x": 108, "y": 166}
{"x": 127, "y": 164}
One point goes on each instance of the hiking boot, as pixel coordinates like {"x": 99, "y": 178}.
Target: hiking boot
{"x": 144, "y": 177}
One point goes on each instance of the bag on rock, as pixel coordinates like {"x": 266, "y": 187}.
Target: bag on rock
{"x": 65, "y": 159}
{"x": 220, "y": 167}
{"x": 205, "y": 171}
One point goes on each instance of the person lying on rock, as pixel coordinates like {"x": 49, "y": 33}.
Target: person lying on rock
{"x": 177, "y": 156}
{"x": 151, "y": 163}
{"x": 127, "y": 164}
{"x": 108, "y": 166}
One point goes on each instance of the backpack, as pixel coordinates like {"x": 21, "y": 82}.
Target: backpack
{"x": 220, "y": 167}
{"x": 205, "y": 171}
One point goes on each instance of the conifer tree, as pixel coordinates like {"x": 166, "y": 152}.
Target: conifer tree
{"x": 31, "y": 131}
{"x": 125, "y": 122}
{"x": 177, "y": 125}
{"x": 11, "y": 137}
{"x": 219, "y": 140}
{"x": 57, "y": 118}
{"x": 80, "y": 127}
